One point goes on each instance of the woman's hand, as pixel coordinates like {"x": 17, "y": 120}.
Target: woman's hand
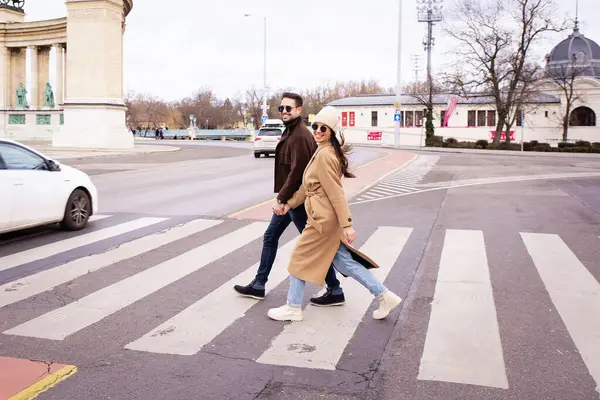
{"x": 349, "y": 234}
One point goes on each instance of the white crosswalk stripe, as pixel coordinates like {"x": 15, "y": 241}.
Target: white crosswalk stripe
{"x": 573, "y": 290}
{"x": 316, "y": 330}
{"x": 463, "y": 339}
{"x": 65, "y": 321}
{"x": 404, "y": 181}
{"x": 466, "y": 352}
{"x": 27, "y": 256}
{"x": 48, "y": 279}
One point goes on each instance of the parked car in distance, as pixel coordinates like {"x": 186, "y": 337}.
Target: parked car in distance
{"x": 267, "y": 137}
{"x": 36, "y": 190}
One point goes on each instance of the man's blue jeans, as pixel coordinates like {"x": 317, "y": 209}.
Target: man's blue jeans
{"x": 271, "y": 242}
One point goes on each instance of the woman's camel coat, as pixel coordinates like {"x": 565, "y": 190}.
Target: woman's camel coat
{"x": 328, "y": 214}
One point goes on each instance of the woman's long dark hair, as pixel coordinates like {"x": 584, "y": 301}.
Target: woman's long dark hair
{"x": 342, "y": 150}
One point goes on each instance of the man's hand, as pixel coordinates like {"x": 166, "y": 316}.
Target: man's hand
{"x": 278, "y": 209}
{"x": 349, "y": 234}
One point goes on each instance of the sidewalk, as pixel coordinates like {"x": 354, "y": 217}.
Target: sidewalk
{"x": 367, "y": 175}
{"x": 516, "y": 153}
{"x": 25, "y": 379}
{"x": 46, "y": 148}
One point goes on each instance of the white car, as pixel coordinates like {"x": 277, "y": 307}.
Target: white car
{"x": 267, "y": 138}
{"x": 35, "y": 190}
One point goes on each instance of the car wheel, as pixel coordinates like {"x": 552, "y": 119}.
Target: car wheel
{"x": 256, "y": 155}
{"x": 77, "y": 211}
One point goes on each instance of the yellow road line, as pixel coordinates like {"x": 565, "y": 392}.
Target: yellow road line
{"x": 44, "y": 384}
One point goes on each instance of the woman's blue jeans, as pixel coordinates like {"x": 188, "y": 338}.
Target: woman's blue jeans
{"x": 346, "y": 265}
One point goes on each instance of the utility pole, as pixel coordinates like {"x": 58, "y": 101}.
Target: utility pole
{"x": 398, "y": 77}
{"x": 416, "y": 59}
{"x": 429, "y": 11}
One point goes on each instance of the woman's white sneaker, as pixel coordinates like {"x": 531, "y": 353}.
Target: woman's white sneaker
{"x": 387, "y": 303}
{"x": 285, "y": 313}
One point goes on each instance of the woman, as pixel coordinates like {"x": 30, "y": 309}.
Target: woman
{"x": 329, "y": 231}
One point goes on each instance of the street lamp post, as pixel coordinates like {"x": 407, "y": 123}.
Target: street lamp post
{"x": 429, "y": 11}
{"x": 398, "y": 76}
{"x": 264, "y": 105}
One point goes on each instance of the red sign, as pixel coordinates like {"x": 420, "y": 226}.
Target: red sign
{"x": 374, "y": 136}
{"x": 351, "y": 118}
{"x": 344, "y": 119}
{"x": 503, "y": 135}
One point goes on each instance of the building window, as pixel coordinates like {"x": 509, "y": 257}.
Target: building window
{"x": 409, "y": 118}
{"x": 546, "y": 114}
{"x": 442, "y": 117}
{"x": 402, "y": 113}
{"x": 418, "y": 118}
{"x": 471, "y": 118}
{"x": 373, "y": 118}
{"x": 491, "y": 118}
{"x": 481, "y": 118}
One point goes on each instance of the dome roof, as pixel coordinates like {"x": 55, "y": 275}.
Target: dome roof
{"x": 579, "y": 49}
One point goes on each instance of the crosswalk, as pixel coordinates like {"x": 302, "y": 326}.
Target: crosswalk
{"x": 462, "y": 340}
{"x": 403, "y": 181}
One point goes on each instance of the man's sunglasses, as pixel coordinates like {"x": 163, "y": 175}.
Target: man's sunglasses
{"x": 316, "y": 126}
{"x": 286, "y": 108}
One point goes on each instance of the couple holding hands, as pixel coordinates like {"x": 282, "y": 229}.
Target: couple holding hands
{"x": 308, "y": 172}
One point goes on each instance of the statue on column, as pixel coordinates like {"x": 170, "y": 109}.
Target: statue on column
{"x": 48, "y": 97}
{"x": 22, "y": 97}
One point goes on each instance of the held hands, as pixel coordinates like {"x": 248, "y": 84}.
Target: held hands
{"x": 281, "y": 209}
{"x": 349, "y": 234}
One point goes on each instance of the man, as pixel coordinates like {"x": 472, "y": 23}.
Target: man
{"x": 292, "y": 155}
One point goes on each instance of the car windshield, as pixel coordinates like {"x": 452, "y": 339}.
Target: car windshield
{"x": 269, "y": 132}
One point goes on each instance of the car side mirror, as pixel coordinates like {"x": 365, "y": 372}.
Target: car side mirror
{"x": 52, "y": 166}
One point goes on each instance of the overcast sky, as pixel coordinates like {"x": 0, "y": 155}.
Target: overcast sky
{"x": 172, "y": 48}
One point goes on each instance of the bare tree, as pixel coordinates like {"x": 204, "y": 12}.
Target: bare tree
{"x": 494, "y": 50}
{"x": 564, "y": 77}
{"x": 420, "y": 92}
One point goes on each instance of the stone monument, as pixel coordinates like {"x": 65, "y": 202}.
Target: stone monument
{"x": 48, "y": 97}
{"x": 21, "y": 97}
{"x": 94, "y": 107}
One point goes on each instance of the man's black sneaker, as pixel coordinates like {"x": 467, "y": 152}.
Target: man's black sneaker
{"x": 328, "y": 299}
{"x": 250, "y": 291}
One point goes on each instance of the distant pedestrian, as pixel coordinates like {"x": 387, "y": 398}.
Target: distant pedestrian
{"x": 329, "y": 232}
{"x": 292, "y": 154}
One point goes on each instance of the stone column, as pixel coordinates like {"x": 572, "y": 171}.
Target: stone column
{"x": 58, "y": 90}
{"x": 43, "y": 73}
{"x": 4, "y": 83}
{"x": 94, "y": 108}
{"x": 17, "y": 73}
{"x": 34, "y": 94}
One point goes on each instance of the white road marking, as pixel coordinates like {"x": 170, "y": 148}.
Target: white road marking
{"x": 320, "y": 340}
{"x": 379, "y": 191}
{"x": 463, "y": 340}
{"x": 193, "y": 328}
{"x": 62, "y": 322}
{"x": 39, "y": 253}
{"x": 573, "y": 290}
{"x": 451, "y": 185}
{"x": 46, "y": 280}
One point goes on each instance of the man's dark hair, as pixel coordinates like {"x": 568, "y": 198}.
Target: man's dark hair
{"x": 296, "y": 97}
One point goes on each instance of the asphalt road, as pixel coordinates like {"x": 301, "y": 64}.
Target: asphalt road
{"x": 211, "y": 179}
{"x": 499, "y": 280}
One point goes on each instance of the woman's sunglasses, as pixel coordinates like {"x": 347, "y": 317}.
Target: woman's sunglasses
{"x": 316, "y": 126}
{"x": 286, "y": 108}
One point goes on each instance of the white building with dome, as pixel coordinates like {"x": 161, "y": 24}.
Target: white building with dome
{"x": 370, "y": 118}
